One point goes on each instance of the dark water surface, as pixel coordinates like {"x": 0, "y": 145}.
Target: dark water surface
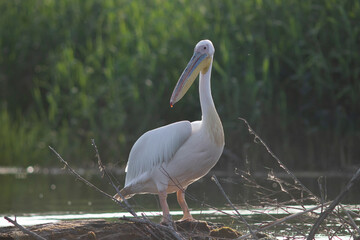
{"x": 23, "y": 193}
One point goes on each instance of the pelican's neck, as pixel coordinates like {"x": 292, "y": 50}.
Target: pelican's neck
{"x": 206, "y": 100}
{"x": 210, "y": 117}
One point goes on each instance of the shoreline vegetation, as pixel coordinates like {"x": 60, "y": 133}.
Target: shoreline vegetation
{"x": 71, "y": 71}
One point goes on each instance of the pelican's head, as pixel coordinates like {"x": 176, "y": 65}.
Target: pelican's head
{"x": 199, "y": 62}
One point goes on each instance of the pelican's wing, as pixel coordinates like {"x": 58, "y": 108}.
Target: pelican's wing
{"x": 155, "y": 147}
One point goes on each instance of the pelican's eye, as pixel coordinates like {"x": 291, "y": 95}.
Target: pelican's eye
{"x": 204, "y": 48}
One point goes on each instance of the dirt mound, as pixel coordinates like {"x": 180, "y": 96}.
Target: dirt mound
{"x": 105, "y": 230}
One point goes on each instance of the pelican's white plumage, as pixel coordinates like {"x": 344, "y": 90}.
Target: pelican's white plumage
{"x": 169, "y": 158}
{"x": 157, "y": 147}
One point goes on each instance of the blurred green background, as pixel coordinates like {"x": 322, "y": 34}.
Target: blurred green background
{"x": 75, "y": 70}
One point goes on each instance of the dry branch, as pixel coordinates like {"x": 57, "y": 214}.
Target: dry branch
{"x": 24, "y": 230}
{"x": 281, "y": 164}
{"x": 72, "y": 171}
{"x": 337, "y": 201}
{"x": 178, "y": 185}
{"x": 352, "y": 221}
{"x": 165, "y": 229}
{"x": 174, "y": 234}
{"x": 282, "y": 220}
{"x": 103, "y": 170}
{"x": 266, "y": 197}
{"x": 214, "y": 178}
{"x": 288, "y": 188}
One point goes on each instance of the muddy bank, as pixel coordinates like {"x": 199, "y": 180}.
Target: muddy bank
{"x": 105, "y": 230}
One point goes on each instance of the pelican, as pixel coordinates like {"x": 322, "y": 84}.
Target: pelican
{"x": 169, "y": 158}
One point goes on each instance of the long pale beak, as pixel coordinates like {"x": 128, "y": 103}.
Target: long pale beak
{"x": 198, "y": 62}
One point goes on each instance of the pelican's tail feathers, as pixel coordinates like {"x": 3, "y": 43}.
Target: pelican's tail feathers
{"x": 124, "y": 193}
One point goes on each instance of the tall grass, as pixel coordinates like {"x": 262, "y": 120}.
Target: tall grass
{"x": 75, "y": 70}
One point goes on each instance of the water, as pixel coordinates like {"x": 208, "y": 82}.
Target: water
{"x": 51, "y": 196}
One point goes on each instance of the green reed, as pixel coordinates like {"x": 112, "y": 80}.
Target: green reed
{"x": 75, "y": 70}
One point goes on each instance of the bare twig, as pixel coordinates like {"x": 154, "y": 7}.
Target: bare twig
{"x": 105, "y": 173}
{"x": 353, "y": 224}
{"x": 72, "y": 171}
{"x": 355, "y": 214}
{"x": 214, "y": 178}
{"x": 272, "y": 177}
{"x": 24, "y": 230}
{"x": 282, "y": 220}
{"x": 177, "y": 184}
{"x": 103, "y": 170}
{"x": 322, "y": 188}
{"x": 159, "y": 226}
{"x": 281, "y": 164}
{"x": 151, "y": 227}
{"x": 337, "y": 200}
{"x": 175, "y": 235}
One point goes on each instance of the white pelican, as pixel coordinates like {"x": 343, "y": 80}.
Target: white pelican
{"x": 168, "y": 159}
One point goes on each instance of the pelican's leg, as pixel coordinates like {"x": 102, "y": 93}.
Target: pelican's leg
{"x": 165, "y": 207}
{"x": 180, "y": 194}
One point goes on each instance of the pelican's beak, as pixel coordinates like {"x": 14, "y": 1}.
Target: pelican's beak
{"x": 198, "y": 62}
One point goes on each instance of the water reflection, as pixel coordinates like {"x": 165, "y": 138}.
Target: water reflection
{"x": 31, "y": 192}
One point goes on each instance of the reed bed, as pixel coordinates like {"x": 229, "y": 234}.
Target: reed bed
{"x": 75, "y": 70}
